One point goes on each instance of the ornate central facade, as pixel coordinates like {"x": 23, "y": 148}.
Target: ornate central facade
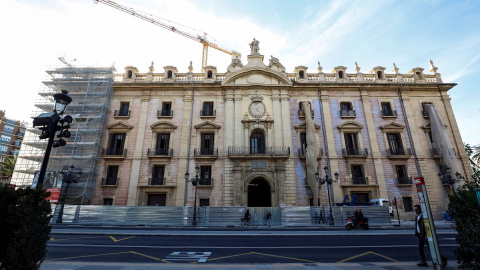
{"x": 258, "y": 134}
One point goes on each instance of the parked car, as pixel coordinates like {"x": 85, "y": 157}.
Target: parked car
{"x": 382, "y": 202}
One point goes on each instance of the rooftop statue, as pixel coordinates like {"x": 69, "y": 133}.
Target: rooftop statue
{"x": 433, "y": 68}
{"x": 395, "y": 69}
{"x": 254, "y": 46}
{"x": 274, "y": 60}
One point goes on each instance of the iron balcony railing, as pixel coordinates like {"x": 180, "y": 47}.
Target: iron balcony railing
{"x": 301, "y": 113}
{"x": 302, "y": 151}
{"x": 109, "y": 181}
{"x": 436, "y": 153}
{"x": 389, "y": 113}
{"x": 164, "y": 113}
{"x": 212, "y": 113}
{"x": 205, "y": 152}
{"x": 359, "y": 180}
{"x": 355, "y": 152}
{"x": 425, "y": 113}
{"x": 404, "y": 180}
{"x": 114, "y": 152}
{"x": 270, "y": 150}
{"x": 156, "y": 181}
{"x": 347, "y": 113}
{"x": 399, "y": 152}
{"x": 121, "y": 113}
{"x": 168, "y": 152}
{"x": 205, "y": 181}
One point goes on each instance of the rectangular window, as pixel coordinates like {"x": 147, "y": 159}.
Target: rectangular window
{"x": 358, "y": 178}
{"x": 112, "y": 176}
{"x": 163, "y": 143}
{"x": 158, "y": 173}
{"x": 157, "y": 199}
{"x": 395, "y": 144}
{"x": 303, "y": 143}
{"x": 206, "y": 175}
{"x": 407, "y": 204}
{"x": 402, "y": 177}
{"x": 207, "y": 109}
{"x": 346, "y": 106}
{"x": 204, "y": 202}
{"x": 207, "y": 144}
{"x": 387, "y": 109}
{"x": 351, "y": 143}
{"x": 108, "y": 201}
{"x": 124, "y": 109}
{"x": 425, "y": 108}
{"x": 117, "y": 142}
{"x": 166, "y": 109}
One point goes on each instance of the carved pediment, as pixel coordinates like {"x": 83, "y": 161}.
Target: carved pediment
{"x": 392, "y": 125}
{"x": 304, "y": 126}
{"x": 350, "y": 125}
{"x": 207, "y": 125}
{"x": 256, "y": 76}
{"x": 119, "y": 125}
{"x": 163, "y": 125}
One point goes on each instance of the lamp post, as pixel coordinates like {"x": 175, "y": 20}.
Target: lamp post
{"x": 447, "y": 178}
{"x": 195, "y": 182}
{"x": 49, "y": 124}
{"x": 69, "y": 176}
{"x": 329, "y": 182}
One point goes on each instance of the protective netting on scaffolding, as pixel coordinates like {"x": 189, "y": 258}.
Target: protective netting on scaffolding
{"x": 312, "y": 151}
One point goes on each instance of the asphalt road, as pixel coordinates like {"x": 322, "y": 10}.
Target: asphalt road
{"x": 240, "y": 249}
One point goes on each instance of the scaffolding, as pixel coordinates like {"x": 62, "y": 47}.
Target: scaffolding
{"x": 91, "y": 89}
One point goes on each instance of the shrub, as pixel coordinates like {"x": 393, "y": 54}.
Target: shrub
{"x": 24, "y": 223}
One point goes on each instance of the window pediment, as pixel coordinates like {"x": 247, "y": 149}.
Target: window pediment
{"x": 163, "y": 125}
{"x": 257, "y": 76}
{"x": 119, "y": 126}
{"x": 304, "y": 126}
{"x": 207, "y": 125}
{"x": 392, "y": 126}
{"x": 350, "y": 125}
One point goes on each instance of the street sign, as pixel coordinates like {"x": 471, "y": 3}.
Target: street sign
{"x": 54, "y": 194}
{"x": 429, "y": 224}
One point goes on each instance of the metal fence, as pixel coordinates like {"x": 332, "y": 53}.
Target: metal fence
{"x": 215, "y": 216}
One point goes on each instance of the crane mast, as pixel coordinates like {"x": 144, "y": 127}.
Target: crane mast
{"x": 198, "y": 38}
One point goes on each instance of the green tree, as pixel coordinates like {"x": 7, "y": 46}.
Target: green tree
{"x": 7, "y": 167}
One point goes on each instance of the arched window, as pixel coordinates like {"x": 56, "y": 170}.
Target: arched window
{"x": 340, "y": 74}
{"x": 129, "y": 74}
{"x": 300, "y": 74}
{"x": 169, "y": 74}
{"x": 209, "y": 74}
{"x": 379, "y": 74}
{"x": 257, "y": 142}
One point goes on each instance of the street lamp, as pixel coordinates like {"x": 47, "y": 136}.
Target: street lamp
{"x": 447, "y": 178}
{"x": 195, "y": 182}
{"x": 329, "y": 182}
{"x": 69, "y": 176}
{"x": 50, "y": 124}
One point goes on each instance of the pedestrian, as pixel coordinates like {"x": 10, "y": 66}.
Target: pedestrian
{"x": 420, "y": 234}
{"x": 269, "y": 218}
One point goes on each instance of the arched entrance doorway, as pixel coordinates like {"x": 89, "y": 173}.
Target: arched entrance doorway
{"x": 259, "y": 194}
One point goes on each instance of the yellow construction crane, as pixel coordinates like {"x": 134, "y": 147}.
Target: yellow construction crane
{"x": 198, "y": 38}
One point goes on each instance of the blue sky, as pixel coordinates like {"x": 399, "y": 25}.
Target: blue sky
{"x": 372, "y": 33}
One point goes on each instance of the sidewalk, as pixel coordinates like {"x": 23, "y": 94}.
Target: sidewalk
{"x": 49, "y": 265}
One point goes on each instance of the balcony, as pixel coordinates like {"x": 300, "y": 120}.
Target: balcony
{"x": 356, "y": 181}
{"x": 110, "y": 181}
{"x": 156, "y": 181}
{"x": 425, "y": 113}
{"x": 348, "y": 114}
{"x": 160, "y": 152}
{"x": 354, "y": 152}
{"x": 437, "y": 153}
{"x": 302, "y": 151}
{"x": 301, "y": 113}
{"x": 207, "y": 182}
{"x": 399, "y": 153}
{"x": 247, "y": 152}
{"x": 17, "y": 143}
{"x": 389, "y": 113}
{"x": 20, "y": 134}
{"x": 404, "y": 181}
{"x": 164, "y": 113}
{"x": 121, "y": 113}
{"x": 205, "y": 152}
{"x": 114, "y": 153}
{"x": 208, "y": 113}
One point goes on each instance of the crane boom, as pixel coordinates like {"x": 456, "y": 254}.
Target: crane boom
{"x": 149, "y": 19}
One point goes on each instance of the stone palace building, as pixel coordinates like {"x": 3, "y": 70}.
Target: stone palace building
{"x": 249, "y": 131}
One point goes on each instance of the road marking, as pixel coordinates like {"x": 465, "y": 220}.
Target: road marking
{"x": 148, "y": 256}
{"x": 51, "y": 239}
{"x": 366, "y": 253}
{"x": 65, "y": 239}
{"x": 87, "y": 256}
{"x": 118, "y": 240}
{"x": 283, "y": 257}
{"x": 219, "y": 258}
{"x": 189, "y": 256}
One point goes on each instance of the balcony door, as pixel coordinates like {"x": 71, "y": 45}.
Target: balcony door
{"x": 257, "y": 142}
{"x": 357, "y": 174}
{"x": 158, "y": 173}
{"x": 117, "y": 142}
{"x": 395, "y": 143}
{"x": 351, "y": 142}
{"x": 207, "y": 144}
{"x": 163, "y": 142}
{"x": 157, "y": 199}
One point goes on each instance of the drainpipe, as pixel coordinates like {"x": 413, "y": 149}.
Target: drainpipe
{"x": 189, "y": 141}
{"x": 409, "y": 133}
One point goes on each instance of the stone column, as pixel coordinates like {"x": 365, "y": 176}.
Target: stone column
{"x": 181, "y": 190}
{"x": 286, "y": 123}
{"x": 238, "y": 118}
{"x": 229, "y": 119}
{"x": 137, "y": 154}
{"x": 277, "y": 116}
